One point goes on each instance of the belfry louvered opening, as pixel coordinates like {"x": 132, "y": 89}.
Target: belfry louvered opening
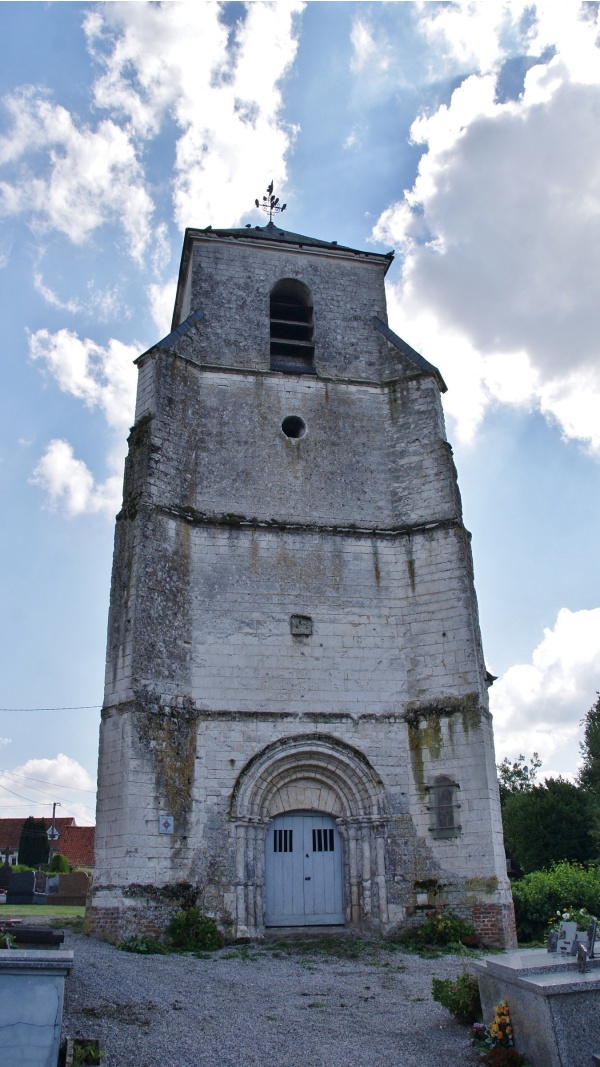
{"x": 291, "y": 313}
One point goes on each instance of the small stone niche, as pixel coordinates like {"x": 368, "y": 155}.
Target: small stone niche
{"x": 301, "y": 625}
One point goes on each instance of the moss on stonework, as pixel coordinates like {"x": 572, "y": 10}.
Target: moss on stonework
{"x": 481, "y": 885}
{"x": 424, "y": 722}
{"x": 169, "y": 736}
{"x": 134, "y": 431}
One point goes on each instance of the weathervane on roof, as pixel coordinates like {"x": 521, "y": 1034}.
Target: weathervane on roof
{"x": 270, "y": 203}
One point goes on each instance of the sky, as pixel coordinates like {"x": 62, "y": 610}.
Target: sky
{"x": 462, "y": 135}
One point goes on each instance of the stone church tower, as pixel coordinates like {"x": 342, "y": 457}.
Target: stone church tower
{"x": 295, "y": 728}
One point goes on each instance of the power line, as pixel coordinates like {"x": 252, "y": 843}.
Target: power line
{"x": 75, "y": 707}
{"x": 44, "y": 781}
{"x": 32, "y": 800}
{"x": 53, "y": 794}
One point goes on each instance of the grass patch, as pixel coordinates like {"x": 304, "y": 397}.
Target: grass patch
{"x": 341, "y": 948}
{"x": 50, "y": 911}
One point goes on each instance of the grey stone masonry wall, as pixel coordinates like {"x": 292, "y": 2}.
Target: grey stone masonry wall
{"x": 218, "y": 714}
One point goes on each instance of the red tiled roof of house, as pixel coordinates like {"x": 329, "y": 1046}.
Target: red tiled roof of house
{"x": 77, "y": 844}
{"x": 10, "y": 830}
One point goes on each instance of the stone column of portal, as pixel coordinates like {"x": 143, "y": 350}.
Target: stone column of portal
{"x": 379, "y": 831}
{"x": 354, "y": 874}
{"x": 365, "y": 834}
{"x": 260, "y": 833}
{"x": 240, "y": 879}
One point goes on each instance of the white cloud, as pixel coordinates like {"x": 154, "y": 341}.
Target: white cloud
{"x": 538, "y": 706}
{"x": 501, "y": 242}
{"x": 83, "y": 177}
{"x": 476, "y": 36}
{"x": 5, "y": 740}
{"x": 162, "y": 301}
{"x": 43, "y": 780}
{"x": 70, "y": 485}
{"x": 364, "y": 46}
{"x": 177, "y": 60}
{"x": 101, "y": 377}
{"x": 51, "y": 298}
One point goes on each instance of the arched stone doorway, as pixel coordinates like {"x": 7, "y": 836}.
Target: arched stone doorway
{"x": 312, "y": 773}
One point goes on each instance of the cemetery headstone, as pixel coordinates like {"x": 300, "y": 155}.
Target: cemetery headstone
{"x": 591, "y": 937}
{"x": 72, "y": 888}
{"x": 21, "y": 889}
{"x": 582, "y": 957}
{"x": 567, "y": 933}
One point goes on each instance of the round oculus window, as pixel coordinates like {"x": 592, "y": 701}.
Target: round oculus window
{"x": 293, "y": 426}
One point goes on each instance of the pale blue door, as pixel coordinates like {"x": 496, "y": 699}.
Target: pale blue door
{"x": 303, "y": 872}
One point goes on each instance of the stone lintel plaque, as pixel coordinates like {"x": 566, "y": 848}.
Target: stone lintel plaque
{"x": 301, "y": 625}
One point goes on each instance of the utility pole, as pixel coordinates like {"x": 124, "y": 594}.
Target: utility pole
{"x": 52, "y": 834}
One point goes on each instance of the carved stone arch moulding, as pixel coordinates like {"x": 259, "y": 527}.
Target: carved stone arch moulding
{"x": 319, "y": 773}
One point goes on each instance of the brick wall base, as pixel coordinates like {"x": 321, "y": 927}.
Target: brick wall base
{"x": 495, "y": 924}
{"x": 116, "y": 913}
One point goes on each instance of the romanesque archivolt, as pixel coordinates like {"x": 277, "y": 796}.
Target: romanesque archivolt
{"x": 310, "y": 771}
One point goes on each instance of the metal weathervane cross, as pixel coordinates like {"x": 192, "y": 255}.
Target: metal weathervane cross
{"x": 270, "y": 203}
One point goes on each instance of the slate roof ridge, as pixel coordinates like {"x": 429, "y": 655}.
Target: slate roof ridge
{"x": 179, "y": 331}
{"x": 410, "y": 353}
{"x": 271, "y": 232}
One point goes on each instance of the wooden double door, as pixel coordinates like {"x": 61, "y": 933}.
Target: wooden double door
{"x": 303, "y": 871}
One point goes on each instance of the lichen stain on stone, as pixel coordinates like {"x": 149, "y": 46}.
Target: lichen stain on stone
{"x": 471, "y": 712}
{"x": 168, "y": 734}
{"x": 376, "y": 566}
{"x": 481, "y": 885}
{"x": 392, "y": 394}
{"x": 415, "y": 748}
{"x": 411, "y": 573}
{"x": 254, "y": 550}
{"x": 424, "y": 722}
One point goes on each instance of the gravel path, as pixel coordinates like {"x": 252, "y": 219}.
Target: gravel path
{"x": 262, "y": 1007}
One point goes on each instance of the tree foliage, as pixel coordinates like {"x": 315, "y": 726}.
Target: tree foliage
{"x": 589, "y": 773}
{"x": 540, "y": 895}
{"x": 33, "y": 843}
{"x": 517, "y": 777}
{"x": 548, "y": 823}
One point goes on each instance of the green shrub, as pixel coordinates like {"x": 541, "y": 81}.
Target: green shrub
{"x": 539, "y": 895}
{"x": 86, "y": 1052}
{"x": 193, "y": 932}
{"x": 145, "y": 946}
{"x": 443, "y": 928}
{"x": 17, "y": 868}
{"x": 460, "y": 997}
{"x": 59, "y": 864}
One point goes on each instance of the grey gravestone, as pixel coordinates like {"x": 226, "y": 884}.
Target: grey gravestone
{"x": 591, "y": 937}
{"x": 22, "y": 889}
{"x": 582, "y": 957}
{"x": 5, "y": 876}
{"x": 40, "y": 882}
{"x": 566, "y": 935}
{"x": 72, "y": 888}
{"x": 52, "y": 884}
{"x": 553, "y": 941}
